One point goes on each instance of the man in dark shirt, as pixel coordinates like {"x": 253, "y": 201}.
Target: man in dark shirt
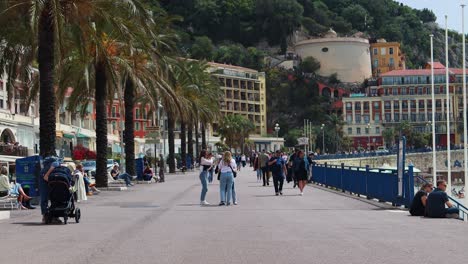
{"x": 418, "y": 205}
{"x": 436, "y": 201}
{"x": 278, "y": 169}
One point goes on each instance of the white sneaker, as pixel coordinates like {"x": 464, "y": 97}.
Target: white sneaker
{"x": 301, "y": 194}
{"x": 204, "y": 203}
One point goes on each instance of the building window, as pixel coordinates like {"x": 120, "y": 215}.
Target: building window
{"x": 137, "y": 126}
{"x": 376, "y": 51}
{"x": 366, "y": 130}
{"x": 413, "y": 104}
{"x": 358, "y": 106}
{"x": 420, "y": 90}
{"x": 396, "y": 117}
{"x": 414, "y": 117}
{"x": 358, "y": 131}
{"x": 113, "y": 111}
{"x": 404, "y": 104}
{"x": 390, "y": 51}
{"x": 395, "y": 91}
{"x": 383, "y": 51}
{"x": 376, "y": 105}
{"x": 325, "y": 49}
{"x": 376, "y": 63}
{"x": 348, "y": 106}
{"x": 377, "y": 130}
{"x": 387, "y": 105}
{"x": 386, "y": 92}
{"x": 403, "y": 91}
{"x": 438, "y": 103}
{"x": 349, "y": 118}
{"x": 391, "y": 62}
{"x": 396, "y": 104}
{"x": 137, "y": 113}
{"x": 411, "y": 91}
{"x": 377, "y": 118}
{"x": 366, "y": 119}
{"x": 366, "y": 105}
{"x": 388, "y": 117}
{"x": 358, "y": 118}
{"x": 114, "y": 125}
{"x": 404, "y": 117}
{"x": 422, "y": 117}
{"x": 350, "y": 131}
{"x": 1, "y": 104}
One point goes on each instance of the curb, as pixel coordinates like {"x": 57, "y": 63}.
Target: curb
{"x": 114, "y": 188}
{"x": 4, "y": 215}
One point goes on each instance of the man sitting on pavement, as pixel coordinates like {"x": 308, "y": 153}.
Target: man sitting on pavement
{"x": 436, "y": 201}
{"x": 418, "y": 205}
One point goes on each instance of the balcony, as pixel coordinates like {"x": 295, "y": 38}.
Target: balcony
{"x": 12, "y": 150}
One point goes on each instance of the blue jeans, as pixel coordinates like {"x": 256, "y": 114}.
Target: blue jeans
{"x": 259, "y": 174}
{"x": 126, "y": 177}
{"x": 44, "y": 193}
{"x": 204, "y": 183}
{"x": 234, "y": 199}
{"x": 225, "y": 186}
{"x": 86, "y": 184}
{"x": 452, "y": 210}
{"x": 210, "y": 176}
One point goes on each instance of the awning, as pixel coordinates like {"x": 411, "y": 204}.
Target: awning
{"x": 69, "y": 136}
{"x": 59, "y": 134}
{"x": 79, "y": 135}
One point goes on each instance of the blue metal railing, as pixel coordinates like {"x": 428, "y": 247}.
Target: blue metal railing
{"x": 461, "y": 207}
{"x": 374, "y": 154}
{"x": 374, "y": 184}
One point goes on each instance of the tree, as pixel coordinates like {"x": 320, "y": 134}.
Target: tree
{"x": 312, "y": 27}
{"x": 427, "y": 16}
{"x": 309, "y": 65}
{"x": 235, "y": 129}
{"x": 389, "y": 137}
{"x": 202, "y": 48}
{"x": 357, "y": 16}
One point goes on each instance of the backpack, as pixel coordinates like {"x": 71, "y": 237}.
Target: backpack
{"x": 297, "y": 165}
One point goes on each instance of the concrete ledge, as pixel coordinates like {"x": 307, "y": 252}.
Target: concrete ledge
{"x": 144, "y": 182}
{"x": 4, "y": 215}
{"x": 114, "y": 188}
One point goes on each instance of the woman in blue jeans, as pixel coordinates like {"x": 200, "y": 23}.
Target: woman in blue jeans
{"x": 205, "y": 164}
{"x": 226, "y": 166}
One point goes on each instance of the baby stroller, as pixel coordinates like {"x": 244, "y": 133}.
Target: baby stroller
{"x": 62, "y": 203}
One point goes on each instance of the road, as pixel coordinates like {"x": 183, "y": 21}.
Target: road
{"x": 163, "y": 223}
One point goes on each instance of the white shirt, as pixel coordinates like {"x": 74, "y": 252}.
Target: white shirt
{"x": 206, "y": 162}
{"x": 225, "y": 167}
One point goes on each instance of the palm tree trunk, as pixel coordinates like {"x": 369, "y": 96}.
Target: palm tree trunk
{"x": 197, "y": 142}
{"x": 203, "y": 144}
{"x": 46, "y": 78}
{"x": 190, "y": 141}
{"x": 101, "y": 125}
{"x": 170, "y": 138}
{"x": 183, "y": 143}
{"x": 129, "y": 137}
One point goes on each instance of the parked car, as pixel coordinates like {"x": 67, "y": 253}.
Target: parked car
{"x": 89, "y": 167}
{"x": 382, "y": 150}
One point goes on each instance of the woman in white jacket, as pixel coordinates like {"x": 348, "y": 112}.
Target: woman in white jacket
{"x": 79, "y": 187}
{"x": 205, "y": 164}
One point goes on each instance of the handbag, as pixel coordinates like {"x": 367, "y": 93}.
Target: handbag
{"x": 234, "y": 173}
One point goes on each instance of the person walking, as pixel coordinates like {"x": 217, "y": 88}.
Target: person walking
{"x": 243, "y": 160}
{"x": 301, "y": 170}
{"x": 226, "y": 166}
{"x": 161, "y": 166}
{"x": 256, "y": 167}
{"x": 263, "y": 164}
{"x": 291, "y": 164}
{"x": 205, "y": 165}
{"x": 278, "y": 169}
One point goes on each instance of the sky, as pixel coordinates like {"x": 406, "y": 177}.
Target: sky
{"x": 451, "y": 8}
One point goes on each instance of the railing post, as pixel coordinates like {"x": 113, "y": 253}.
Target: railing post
{"x": 367, "y": 176}
{"x": 342, "y": 172}
{"x": 410, "y": 193}
{"x": 325, "y": 176}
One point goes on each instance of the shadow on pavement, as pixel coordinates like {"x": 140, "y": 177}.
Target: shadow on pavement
{"x": 273, "y": 195}
{"x": 211, "y": 205}
{"x": 40, "y": 224}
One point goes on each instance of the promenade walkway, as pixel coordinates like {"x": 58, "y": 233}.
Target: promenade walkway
{"x": 163, "y": 223}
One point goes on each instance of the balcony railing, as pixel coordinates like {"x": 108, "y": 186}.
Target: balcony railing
{"x": 12, "y": 150}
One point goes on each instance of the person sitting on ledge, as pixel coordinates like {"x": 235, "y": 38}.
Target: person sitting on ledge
{"x": 125, "y": 176}
{"x": 436, "y": 201}
{"x": 418, "y": 205}
{"x": 148, "y": 173}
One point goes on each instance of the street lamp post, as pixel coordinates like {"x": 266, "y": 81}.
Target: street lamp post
{"x": 323, "y": 138}
{"x": 434, "y": 162}
{"x": 368, "y": 137}
{"x": 277, "y": 129}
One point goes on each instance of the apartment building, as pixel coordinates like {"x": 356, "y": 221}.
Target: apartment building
{"x": 385, "y": 57}
{"x": 405, "y": 95}
{"x": 244, "y": 94}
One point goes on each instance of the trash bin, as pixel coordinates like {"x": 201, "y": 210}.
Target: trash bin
{"x": 27, "y": 174}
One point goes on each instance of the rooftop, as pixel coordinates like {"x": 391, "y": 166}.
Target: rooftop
{"x": 231, "y": 67}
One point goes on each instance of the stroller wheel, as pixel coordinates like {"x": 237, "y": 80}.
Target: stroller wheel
{"x": 77, "y": 215}
{"x": 65, "y": 220}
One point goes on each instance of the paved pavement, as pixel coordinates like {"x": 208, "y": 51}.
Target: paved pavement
{"x": 163, "y": 223}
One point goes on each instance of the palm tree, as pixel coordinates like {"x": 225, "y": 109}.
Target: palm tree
{"x": 336, "y": 123}
{"x": 235, "y": 129}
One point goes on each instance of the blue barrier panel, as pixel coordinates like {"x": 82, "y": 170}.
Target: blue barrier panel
{"x": 382, "y": 186}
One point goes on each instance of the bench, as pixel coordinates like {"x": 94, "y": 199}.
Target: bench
{"x": 9, "y": 202}
{"x": 112, "y": 181}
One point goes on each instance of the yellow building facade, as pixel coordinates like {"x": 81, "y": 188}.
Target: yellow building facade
{"x": 385, "y": 57}
{"x": 244, "y": 94}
